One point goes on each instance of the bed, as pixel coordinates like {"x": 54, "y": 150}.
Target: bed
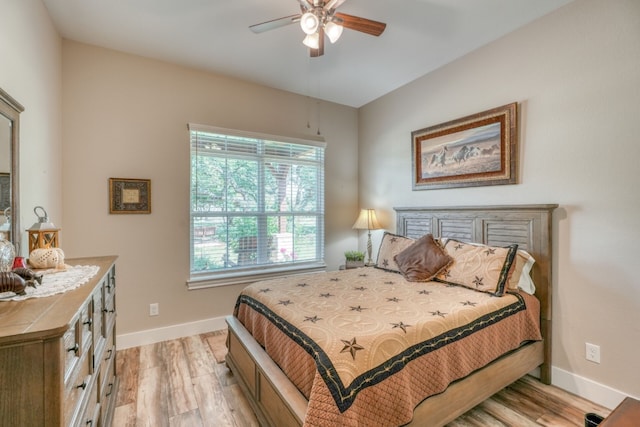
{"x": 277, "y": 399}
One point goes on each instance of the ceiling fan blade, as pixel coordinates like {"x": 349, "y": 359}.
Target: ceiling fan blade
{"x": 275, "y": 23}
{"x": 363, "y": 25}
{"x": 332, "y": 4}
{"x": 314, "y": 53}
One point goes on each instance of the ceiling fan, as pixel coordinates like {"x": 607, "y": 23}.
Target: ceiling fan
{"x": 319, "y": 17}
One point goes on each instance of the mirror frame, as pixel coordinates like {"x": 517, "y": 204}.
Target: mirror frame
{"x": 11, "y": 109}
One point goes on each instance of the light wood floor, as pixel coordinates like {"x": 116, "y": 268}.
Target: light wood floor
{"x": 185, "y": 382}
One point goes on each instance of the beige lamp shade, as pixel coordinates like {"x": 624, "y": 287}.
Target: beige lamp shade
{"x": 367, "y": 220}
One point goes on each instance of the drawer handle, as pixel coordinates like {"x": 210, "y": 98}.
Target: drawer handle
{"x": 74, "y": 348}
{"x": 110, "y": 389}
{"x": 83, "y": 385}
{"x": 106, "y": 310}
{"x": 89, "y": 422}
{"x": 110, "y": 352}
{"x": 88, "y": 322}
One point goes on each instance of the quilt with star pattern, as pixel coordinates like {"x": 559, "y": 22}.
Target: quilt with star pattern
{"x": 365, "y": 346}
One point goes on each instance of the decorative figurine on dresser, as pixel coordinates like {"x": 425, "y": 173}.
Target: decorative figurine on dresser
{"x": 57, "y": 337}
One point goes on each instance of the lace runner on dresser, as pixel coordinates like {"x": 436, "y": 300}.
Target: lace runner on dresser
{"x": 55, "y": 281}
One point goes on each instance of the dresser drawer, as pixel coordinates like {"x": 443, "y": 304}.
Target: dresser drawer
{"x": 110, "y": 285}
{"x": 71, "y": 349}
{"x": 77, "y": 386}
{"x": 107, "y": 359}
{"x": 86, "y": 326}
{"x": 98, "y": 327}
{"x": 109, "y": 311}
{"x": 91, "y": 415}
{"x": 108, "y": 392}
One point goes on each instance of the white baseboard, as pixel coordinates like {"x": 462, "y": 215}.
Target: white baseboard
{"x": 151, "y": 336}
{"x": 586, "y": 388}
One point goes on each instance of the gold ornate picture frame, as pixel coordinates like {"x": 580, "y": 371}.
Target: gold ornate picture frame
{"x": 129, "y": 196}
{"x": 477, "y": 150}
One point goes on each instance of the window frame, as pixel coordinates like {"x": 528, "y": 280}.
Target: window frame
{"x": 206, "y": 279}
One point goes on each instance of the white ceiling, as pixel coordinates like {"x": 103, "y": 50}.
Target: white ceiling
{"x": 214, "y": 35}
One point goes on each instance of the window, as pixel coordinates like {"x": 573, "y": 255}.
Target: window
{"x": 257, "y": 205}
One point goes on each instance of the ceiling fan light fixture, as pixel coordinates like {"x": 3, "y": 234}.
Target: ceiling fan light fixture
{"x": 312, "y": 41}
{"x": 333, "y": 31}
{"x": 309, "y": 23}
{"x": 319, "y": 17}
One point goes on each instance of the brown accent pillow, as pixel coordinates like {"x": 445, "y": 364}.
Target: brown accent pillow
{"x": 390, "y": 246}
{"x": 484, "y": 268}
{"x": 423, "y": 260}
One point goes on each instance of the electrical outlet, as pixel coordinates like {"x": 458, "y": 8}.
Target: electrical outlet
{"x": 592, "y": 352}
{"x": 154, "y": 309}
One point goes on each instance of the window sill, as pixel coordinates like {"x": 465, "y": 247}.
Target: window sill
{"x": 246, "y": 277}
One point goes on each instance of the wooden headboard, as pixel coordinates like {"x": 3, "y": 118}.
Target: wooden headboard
{"x": 527, "y": 225}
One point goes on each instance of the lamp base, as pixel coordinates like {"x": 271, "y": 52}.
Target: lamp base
{"x": 369, "y": 260}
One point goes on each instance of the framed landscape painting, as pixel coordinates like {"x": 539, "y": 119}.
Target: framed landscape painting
{"x": 481, "y": 149}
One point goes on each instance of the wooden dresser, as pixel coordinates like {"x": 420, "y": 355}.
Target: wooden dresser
{"x": 57, "y": 354}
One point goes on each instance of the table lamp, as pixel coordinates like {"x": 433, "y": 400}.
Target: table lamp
{"x": 367, "y": 221}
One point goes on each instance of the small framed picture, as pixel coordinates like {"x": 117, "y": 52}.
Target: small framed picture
{"x": 129, "y": 196}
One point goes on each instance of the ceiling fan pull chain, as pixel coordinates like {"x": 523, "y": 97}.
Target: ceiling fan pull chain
{"x": 308, "y": 110}
{"x": 318, "y": 116}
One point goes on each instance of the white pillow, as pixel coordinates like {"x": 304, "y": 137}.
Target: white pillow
{"x": 526, "y": 282}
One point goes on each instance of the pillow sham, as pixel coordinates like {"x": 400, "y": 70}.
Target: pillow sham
{"x": 483, "y": 268}
{"x": 423, "y": 260}
{"x": 390, "y": 246}
{"x": 520, "y": 276}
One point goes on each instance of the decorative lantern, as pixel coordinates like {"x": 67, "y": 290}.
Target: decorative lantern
{"x": 43, "y": 234}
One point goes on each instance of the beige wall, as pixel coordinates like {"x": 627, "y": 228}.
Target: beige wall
{"x": 576, "y": 75}
{"x": 125, "y": 116}
{"x": 30, "y": 71}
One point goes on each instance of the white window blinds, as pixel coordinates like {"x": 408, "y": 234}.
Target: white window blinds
{"x": 257, "y": 202}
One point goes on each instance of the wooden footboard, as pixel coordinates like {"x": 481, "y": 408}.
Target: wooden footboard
{"x": 278, "y": 403}
{"x": 275, "y": 400}
{"x": 466, "y": 393}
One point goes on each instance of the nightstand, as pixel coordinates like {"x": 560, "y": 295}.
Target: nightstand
{"x": 627, "y": 414}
